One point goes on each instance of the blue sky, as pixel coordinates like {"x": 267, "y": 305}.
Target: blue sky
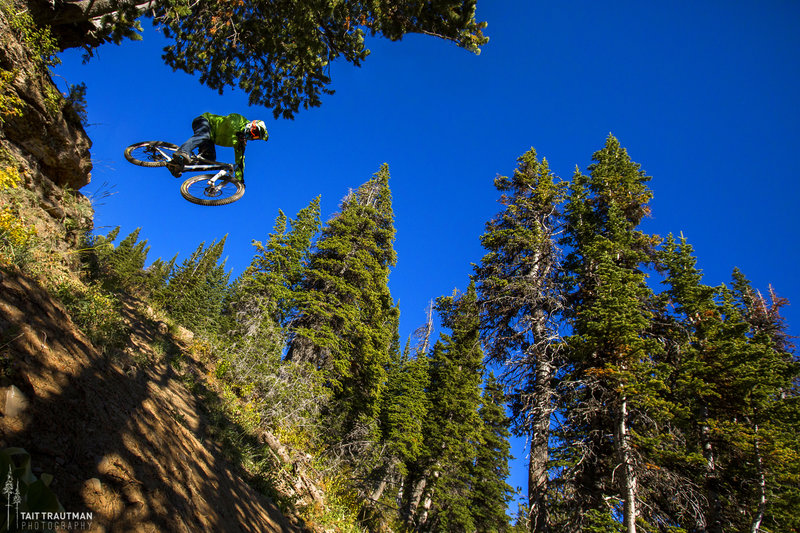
{"x": 704, "y": 95}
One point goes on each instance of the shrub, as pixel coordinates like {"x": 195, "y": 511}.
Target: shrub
{"x": 95, "y": 312}
{"x": 76, "y": 103}
{"x": 10, "y": 103}
{"x": 16, "y": 237}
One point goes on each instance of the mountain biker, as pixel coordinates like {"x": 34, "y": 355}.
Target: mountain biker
{"x": 210, "y": 130}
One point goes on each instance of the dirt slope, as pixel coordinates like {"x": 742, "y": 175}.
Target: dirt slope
{"x": 124, "y": 441}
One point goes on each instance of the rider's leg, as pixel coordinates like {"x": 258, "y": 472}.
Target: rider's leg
{"x": 201, "y": 138}
{"x": 208, "y": 150}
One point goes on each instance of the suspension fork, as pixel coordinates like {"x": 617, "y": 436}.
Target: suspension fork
{"x": 213, "y": 181}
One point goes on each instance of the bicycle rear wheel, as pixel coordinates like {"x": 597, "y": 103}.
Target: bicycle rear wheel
{"x": 225, "y": 190}
{"x": 150, "y": 153}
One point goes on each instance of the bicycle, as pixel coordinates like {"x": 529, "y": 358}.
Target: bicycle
{"x": 205, "y": 189}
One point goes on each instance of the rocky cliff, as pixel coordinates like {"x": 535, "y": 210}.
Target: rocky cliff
{"x": 42, "y": 141}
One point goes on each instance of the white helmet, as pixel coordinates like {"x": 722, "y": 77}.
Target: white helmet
{"x": 256, "y": 129}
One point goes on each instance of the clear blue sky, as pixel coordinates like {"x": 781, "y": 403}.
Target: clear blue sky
{"x": 704, "y": 95}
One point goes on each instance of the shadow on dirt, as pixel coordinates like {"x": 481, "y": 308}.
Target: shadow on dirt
{"x": 126, "y": 442}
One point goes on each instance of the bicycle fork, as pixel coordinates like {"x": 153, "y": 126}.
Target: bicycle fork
{"x": 212, "y": 182}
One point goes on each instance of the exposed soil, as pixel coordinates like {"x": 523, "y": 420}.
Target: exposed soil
{"x": 124, "y": 439}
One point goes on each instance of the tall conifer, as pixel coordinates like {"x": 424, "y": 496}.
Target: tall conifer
{"x": 521, "y": 308}
{"x": 277, "y": 269}
{"x": 490, "y": 492}
{"x": 440, "y": 485}
{"x": 610, "y": 346}
{"x": 346, "y": 315}
{"x": 197, "y": 288}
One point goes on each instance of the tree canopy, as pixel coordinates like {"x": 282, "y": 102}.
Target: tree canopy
{"x": 278, "y": 51}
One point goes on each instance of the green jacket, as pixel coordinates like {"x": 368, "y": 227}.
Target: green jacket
{"x": 225, "y": 131}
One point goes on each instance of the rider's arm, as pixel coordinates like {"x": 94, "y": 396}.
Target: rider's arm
{"x": 238, "y": 150}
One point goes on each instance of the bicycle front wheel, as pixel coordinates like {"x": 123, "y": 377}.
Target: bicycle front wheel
{"x": 200, "y": 190}
{"x": 150, "y": 153}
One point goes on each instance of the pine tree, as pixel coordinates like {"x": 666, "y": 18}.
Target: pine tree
{"x": 279, "y": 53}
{"x": 490, "y": 492}
{"x": 156, "y": 275}
{"x": 767, "y": 380}
{"x": 405, "y": 408}
{"x": 438, "y": 494}
{"x": 694, "y": 328}
{"x": 735, "y": 377}
{"x": 277, "y": 269}
{"x": 521, "y": 307}
{"x": 346, "y": 318}
{"x": 611, "y": 315}
{"x": 196, "y": 289}
{"x": 120, "y": 268}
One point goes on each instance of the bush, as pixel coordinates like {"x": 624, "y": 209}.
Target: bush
{"x": 16, "y": 237}
{"x": 10, "y": 104}
{"x": 95, "y": 312}
{"x": 76, "y": 103}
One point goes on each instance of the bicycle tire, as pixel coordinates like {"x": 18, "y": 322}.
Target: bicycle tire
{"x": 145, "y": 154}
{"x": 234, "y": 187}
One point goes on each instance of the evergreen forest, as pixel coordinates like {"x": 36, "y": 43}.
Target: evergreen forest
{"x": 648, "y": 400}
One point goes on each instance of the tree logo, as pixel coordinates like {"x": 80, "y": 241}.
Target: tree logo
{"x": 31, "y": 506}
{"x": 13, "y": 498}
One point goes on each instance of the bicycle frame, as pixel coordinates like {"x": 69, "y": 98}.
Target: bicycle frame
{"x": 217, "y": 187}
{"x": 197, "y": 164}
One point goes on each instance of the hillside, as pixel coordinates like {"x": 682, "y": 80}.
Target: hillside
{"x": 119, "y": 431}
{"x": 127, "y": 442}
{"x": 170, "y": 395}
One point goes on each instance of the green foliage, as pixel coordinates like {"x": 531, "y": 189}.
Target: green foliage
{"x": 668, "y": 410}
{"x": 40, "y": 41}
{"x": 277, "y": 269}
{"x": 76, "y": 103}
{"x": 196, "y": 290}
{"x": 281, "y": 54}
{"x": 286, "y": 396}
{"x": 119, "y": 268}
{"x": 450, "y": 466}
{"x": 10, "y": 103}
{"x": 42, "y": 47}
{"x": 490, "y": 492}
{"x": 405, "y": 407}
{"x": 596, "y": 521}
{"x": 346, "y": 319}
{"x": 96, "y": 312}
{"x": 17, "y": 238}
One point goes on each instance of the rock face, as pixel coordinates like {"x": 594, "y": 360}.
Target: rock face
{"x": 52, "y": 141}
{"x": 42, "y": 141}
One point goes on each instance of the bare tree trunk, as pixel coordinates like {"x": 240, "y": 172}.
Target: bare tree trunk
{"x": 629, "y": 480}
{"x": 386, "y": 476}
{"x": 715, "y": 507}
{"x": 762, "y": 486}
{"x": 414, "y": 497}
{"x": 427, "y": 503}
{"x": 423, "y": 333}
{"x": 378, "y": 492}
{"x": 540, "y": 451}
